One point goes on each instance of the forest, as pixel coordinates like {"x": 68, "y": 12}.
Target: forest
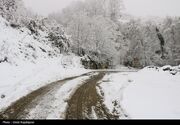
{"x": 100, "y": 31}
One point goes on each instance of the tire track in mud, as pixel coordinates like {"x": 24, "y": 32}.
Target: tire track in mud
{"x": 85, "y": 103}
{"x": 20, "y": 108}
{"x": 85, "y": 99}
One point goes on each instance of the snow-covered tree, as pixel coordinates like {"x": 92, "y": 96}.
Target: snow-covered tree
{"x": 95, "y": 29}
{"x": 114, "y": 9}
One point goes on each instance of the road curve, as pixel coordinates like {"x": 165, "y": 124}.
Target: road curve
{"x": 86, "y": 103}
{"x": 21, "y": 108}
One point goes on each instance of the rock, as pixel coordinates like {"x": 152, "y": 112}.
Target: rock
{"x": 152, "y": 67}
{"x": 3, "y": 96}
{"x": 167, "y": 68}
{"x": 130, "y": 80}
{"x": 173, "y": 72}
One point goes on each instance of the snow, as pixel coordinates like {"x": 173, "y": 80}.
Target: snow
{"x": 150, "y": 93}
{"x": 59, "y": 101}
{"x": 64, "y": 94}
{"x": 111, "y": 88}
{"x": 93, "y": 115}
{"x": 31, "y": 63}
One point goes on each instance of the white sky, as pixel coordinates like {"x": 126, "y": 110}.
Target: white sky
{"x": 134, "y": 7}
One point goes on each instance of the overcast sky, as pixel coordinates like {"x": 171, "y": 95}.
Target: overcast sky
{"x": 134, "y": 7}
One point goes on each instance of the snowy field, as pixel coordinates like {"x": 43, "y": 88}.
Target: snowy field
{"x": 151, "y": 93}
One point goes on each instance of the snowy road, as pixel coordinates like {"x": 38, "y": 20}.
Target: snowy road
{"x": 86, "y": 103}
{"x": 39, "y": 103}
{"x": 71, "y": 98}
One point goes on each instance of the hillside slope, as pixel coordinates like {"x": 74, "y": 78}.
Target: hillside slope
{"x": 29, "y": 61}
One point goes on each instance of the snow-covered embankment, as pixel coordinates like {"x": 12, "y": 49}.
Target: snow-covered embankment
{"x": 29, "y": 61}
{"x": 151, "y": 93}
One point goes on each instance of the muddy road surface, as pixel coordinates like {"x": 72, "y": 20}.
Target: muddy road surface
{"x": 43, "y": 98}
{"x": 86, "y": 103}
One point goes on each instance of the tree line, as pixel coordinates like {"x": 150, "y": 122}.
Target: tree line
{"x": 101, "y": 29}
{"x": 102, "y": 32}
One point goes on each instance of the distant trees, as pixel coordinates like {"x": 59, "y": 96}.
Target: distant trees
{"x": 171, "y": 33}
{"x": 96, "y": 30}
{"x": 162, "y": 41}
{"x": 152, "y": 43}
{"x": 92, "y": 27}
{"x": 7, "y": 7}
{"x": 95, "y": 27}
{"x": 12, "y": 10}
{"x": 114, "y": 9}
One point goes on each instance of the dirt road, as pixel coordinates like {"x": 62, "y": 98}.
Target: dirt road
{"x": 43, "y": 97}
{"x": 86, "y": 103}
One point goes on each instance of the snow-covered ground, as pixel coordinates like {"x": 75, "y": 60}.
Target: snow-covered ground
{"x": 28, "y": 62}
{"x": 151, "y": 93}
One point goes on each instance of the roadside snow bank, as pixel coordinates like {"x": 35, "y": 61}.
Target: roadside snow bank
{"x": 154, "y": 93}
{"x": 151, "y": 93}
{"x": 111, "y": 89}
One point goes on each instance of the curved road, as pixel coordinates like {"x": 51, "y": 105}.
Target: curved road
{"x": 85, "y": 103}
{"x": 43, "y": 97}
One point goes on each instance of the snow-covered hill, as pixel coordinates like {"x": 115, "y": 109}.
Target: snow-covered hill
{"x": 28, "y": 62}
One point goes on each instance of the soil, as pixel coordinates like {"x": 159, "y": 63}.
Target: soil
{"x": 20, "y": 108}
{"x": 86, "y": 103}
